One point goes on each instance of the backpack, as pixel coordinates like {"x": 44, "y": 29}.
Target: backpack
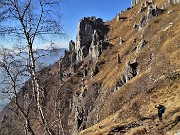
{"x": 162, "y": 109}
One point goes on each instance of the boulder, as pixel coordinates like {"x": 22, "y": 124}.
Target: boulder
{"x": 143, "y": 6}
{"x": 135, "y": 26}
{"x": 134, "y": 41}
{"x": 129, "y": 72}
{"x": 121, "y": 41}
{"x": 141, "y": 44}
{"x": 163, "y": 6}
{"x": 170, "y": 11}
{"x": 142, "y": 21}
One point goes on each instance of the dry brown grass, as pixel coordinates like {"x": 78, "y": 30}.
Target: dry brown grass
{"x": 137, "y": 131}
{"x": 118, "y": 108}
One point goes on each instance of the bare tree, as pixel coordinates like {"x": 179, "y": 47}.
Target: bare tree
{"x": 31, "y": 19}
{"x": 14, "y": 70}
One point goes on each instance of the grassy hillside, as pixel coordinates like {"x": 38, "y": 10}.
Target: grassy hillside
{"x": 106, "y": 103}
{"x": 131, "y": 108}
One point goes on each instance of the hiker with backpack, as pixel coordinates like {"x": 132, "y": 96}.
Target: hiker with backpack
{"x": 161, "y": 110}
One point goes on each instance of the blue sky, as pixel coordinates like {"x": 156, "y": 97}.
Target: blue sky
{"x": 73, "y": 10}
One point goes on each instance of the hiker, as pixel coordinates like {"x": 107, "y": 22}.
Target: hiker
{"x": 161, "y": 110}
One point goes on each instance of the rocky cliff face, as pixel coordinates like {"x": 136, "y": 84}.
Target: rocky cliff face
{"x": 90, "y": 43}
{"x": 90, "y": 32}
{"x": 112, "y": 76}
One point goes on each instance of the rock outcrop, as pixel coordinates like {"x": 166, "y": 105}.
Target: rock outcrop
{"x": 130, "y": 71}
{"x": 82, "y": 106}
{"x": 134, "y": 2}
{"x": 94, "y": 71}
{"x": 176, "y": 1}
{"x": 89, "y": 42}
{"x": 79, "y": 113}
{"x": 95, "y": 48}
{"x": 142, "y": 21}
{"x": 121, "y": 41}
{"x": 71, "y": 46}
{"x": 72, "y": 53}
{"x": 141, "y": 44}
{"x": 152, "y": 11}
{"x": 90, "y": 32}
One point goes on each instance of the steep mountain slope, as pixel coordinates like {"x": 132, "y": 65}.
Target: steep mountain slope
{"x": 113, "y": 76}
{"x": 157, "y": 80}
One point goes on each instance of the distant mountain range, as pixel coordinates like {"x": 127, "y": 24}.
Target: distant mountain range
{"x": 43, "y": 58}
